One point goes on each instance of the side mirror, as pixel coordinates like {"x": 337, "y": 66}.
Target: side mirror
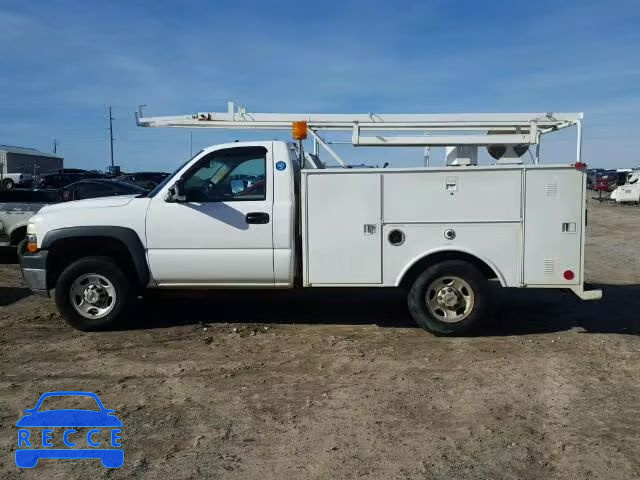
{"x": 238, "y": 186}
{"x": 176, "y": 192}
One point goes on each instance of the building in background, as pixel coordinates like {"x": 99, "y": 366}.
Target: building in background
{"x": 28, "y": 161}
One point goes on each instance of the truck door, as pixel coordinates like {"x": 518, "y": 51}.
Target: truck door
{"x": 221, "y": 234}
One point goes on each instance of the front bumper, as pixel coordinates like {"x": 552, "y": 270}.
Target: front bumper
{"x": 34, "y": 269}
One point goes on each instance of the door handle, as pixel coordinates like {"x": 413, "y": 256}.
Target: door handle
{"x": 257, "y": 217}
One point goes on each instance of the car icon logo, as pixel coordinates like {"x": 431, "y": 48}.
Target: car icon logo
{"x": 77, "y": 433}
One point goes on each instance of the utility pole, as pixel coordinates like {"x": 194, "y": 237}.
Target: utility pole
{"x": 55, "y": 145}
{"x": 111, "y": 136}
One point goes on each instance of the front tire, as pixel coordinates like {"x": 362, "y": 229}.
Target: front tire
{"x": 449, "y": 298}
{"x": 92, "y": 294}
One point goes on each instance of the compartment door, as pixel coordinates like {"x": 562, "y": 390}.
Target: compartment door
{"x": 553, "y": 226}
{"x": 343, "y": 228}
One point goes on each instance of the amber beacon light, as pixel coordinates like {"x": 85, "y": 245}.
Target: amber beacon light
{"x": 299, "y": 130}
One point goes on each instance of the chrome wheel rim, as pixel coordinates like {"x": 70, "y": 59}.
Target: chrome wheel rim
{"x": 93, "y": 296}
{"x": 449, "y": 299}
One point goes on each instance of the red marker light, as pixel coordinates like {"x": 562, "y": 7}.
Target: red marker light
{"x": 569, "y": 275}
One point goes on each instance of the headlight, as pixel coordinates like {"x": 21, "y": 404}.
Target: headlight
{"x": 31, "y": 228}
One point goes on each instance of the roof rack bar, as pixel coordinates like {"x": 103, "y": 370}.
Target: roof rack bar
{"x": 450, "y": 129}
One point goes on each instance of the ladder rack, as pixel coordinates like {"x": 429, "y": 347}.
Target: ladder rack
{"x": 461, "y": 129}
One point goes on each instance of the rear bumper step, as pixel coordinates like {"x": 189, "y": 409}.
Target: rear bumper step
{"x": 585, "y": 292}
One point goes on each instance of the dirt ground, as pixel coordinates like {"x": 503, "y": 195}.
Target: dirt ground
{"x": 341, "y": 384}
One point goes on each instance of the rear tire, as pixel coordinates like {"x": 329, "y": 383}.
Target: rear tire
{"x": 449, "y": 298}
{"x": 93, "y": 294}
{"x": 8, "y": 184}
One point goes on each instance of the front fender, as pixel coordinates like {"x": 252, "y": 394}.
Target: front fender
{"x": 126, "y": 235}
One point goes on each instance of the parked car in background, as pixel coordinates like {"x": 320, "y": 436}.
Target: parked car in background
{"x": 592, "y": 174}
{"x": 629, "y": 191}
{"x": 147, "y": 180}
{"x": 77, "y": 170}
{"x": 622, "y": 175}
{"x": 61, "y": 180}
{"x": 12, "y": 180}
{"x": 16, "y": 208}
{"x": 606, "y": 181}
{"x": 93, "y": 188}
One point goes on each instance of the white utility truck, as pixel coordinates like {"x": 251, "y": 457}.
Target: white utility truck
{"x": 630, "y": 191}
{"x": 267, "y": 214}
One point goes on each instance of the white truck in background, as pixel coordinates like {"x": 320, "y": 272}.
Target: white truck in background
{"x": 16, "y": 208}
{"x": 14, "y": 217}
{"x": 9, "y": 181}
{"x": 267, "y": 214}
{"x": 630, "y": 191}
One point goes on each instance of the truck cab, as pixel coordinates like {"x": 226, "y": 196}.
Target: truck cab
{"x": 232, "y": 207}
{"x": 226, "y": 218}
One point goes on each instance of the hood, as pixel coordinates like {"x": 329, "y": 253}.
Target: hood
{"x": 69, "y": 418}
{"x": 102, "y": 202}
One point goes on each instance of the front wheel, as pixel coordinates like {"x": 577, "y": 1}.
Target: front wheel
{"x": 449, "y": 298}
{"x": 92, "y": 293}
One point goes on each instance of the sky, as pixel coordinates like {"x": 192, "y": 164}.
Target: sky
{"x": 64, "y": 62}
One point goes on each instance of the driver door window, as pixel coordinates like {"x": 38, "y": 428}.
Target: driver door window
{"x": 235, "y": 174}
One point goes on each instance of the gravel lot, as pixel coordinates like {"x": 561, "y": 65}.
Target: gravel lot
{"x": 341, "y": 384}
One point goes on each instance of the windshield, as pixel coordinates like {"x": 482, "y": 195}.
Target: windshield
{"x": 161, "y": 185}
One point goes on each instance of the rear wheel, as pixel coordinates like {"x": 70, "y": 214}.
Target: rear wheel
{"x": 8, "y": 184}
{"x": 92, "y": 293}
{"x": 449, "y": 298}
